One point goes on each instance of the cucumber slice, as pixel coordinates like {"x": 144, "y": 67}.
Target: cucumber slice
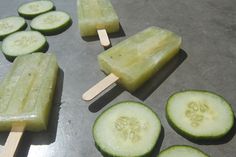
{"x": 126, "y": 129}
{"x": 33, "y": 9}
{"x": 10, "y": 25}
{"x": 23, "y": 42}
{"x": 199, "y": 115}
{"x": 182, "y": 151}
{"x": 53, "y": 22}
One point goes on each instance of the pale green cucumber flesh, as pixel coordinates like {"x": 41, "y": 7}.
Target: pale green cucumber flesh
{"x": 10, "y": 25}
{"x": 182, "y": 151}
{"x": 126, "y": 129}
{"x": 199, "y": 115}
{"x": 23, "y": 42}
{"x": 50, "y": 23}
{"x": 33, "y": 9}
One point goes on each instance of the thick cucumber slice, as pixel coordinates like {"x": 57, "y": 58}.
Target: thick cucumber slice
{"x": 126, "y": 129}
{"x": 182, "y": 151}
{"x": 52, "y": 22}
{"x": 10, "y": 25}
{"x": 23, "y": 42}
{"x": 199, "y": 115}
{"x": 33, "y": 9}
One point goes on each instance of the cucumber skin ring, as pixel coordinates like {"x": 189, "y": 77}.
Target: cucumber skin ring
{"x": 183, "y": 146}
{"x": 31, "y": 16}
{"x": 57, "y": 30}
{"x": 23, "y": 27}
{"x": 107, "y": 154}
{"x": 194, "y": 137}
{"x": 43, "y": 49}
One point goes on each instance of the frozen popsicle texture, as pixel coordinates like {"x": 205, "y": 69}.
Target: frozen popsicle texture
{"x": 27, "y": 91}
{"x": 96, "y": 14}
{"x": 136, "y": 59}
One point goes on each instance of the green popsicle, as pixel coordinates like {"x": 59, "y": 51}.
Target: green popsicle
{"x": 135, "y": 60}
{"x": 96, "y": 15}
{"x": 27, "y": 91}
{"x": 138, "y": 58}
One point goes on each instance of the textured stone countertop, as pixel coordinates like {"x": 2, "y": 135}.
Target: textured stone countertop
{"x": 207, "y": 62}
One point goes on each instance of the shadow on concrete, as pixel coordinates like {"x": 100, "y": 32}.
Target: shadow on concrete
{"x": 152, "y": 84}
{"x": 105, "y": 99}
{"x": 156, "y": 149}
{"x": 120, "y": 33}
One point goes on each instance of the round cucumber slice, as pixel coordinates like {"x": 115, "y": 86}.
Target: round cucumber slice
{"x": 182, "y": 151}
{"x": 33, "y": 9}
{"x": 23, "y": 42}
{"x": 53, "y": 22}
{"x": 127, "y": 129}
{"x": 10, "y": 25}
{"x": 199, "y": 115}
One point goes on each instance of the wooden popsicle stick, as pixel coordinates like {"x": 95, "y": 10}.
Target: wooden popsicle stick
{"x": 104, "y": 40}
{"x": 13, "y": 140}
{"x": 99, "y": 87}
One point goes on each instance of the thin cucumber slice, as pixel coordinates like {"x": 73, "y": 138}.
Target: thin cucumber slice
{"x": 53, "y": 22}
{"x": 199, "y": 115}
{"x": 23, "y": 42}
{"x": 10, "y": 25}
{"x": 35, "y": 8}
{"x": 182, "y": 151}
{"x": 126, "y": 129}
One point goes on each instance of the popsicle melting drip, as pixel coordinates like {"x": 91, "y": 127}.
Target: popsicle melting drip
{"x": 27, "y": 91}
{"x": 135, "y": 60}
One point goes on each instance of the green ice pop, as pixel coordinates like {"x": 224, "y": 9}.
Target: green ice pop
{"x": 138, "y": 58}
{"x": 95, "y": 15}
{"x": 27, "y": 91}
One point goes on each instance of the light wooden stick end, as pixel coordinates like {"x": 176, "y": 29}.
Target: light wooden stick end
{"x": 104, "y": 40}
{"x": 99, "y": 87}
{"x": 13, "y": 140}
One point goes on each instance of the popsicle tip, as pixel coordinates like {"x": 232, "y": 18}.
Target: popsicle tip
{"x": 86, "y": 97}
{"x": 106, "y": 44}
{"x": 104, "y": 39}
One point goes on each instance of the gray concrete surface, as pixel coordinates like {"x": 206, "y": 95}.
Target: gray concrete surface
{"x": 207, "y": 62}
